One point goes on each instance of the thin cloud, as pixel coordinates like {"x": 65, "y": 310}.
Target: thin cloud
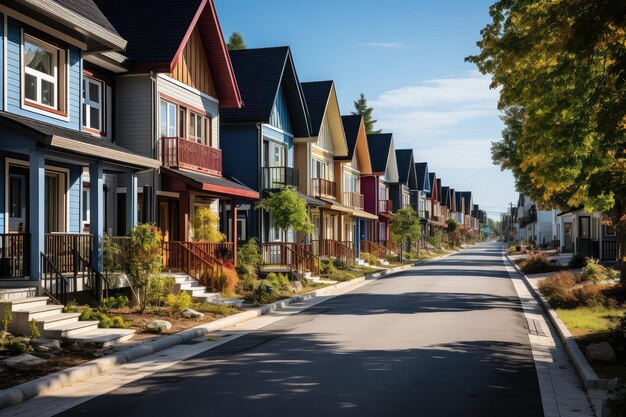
{"x": 385, "y": 45}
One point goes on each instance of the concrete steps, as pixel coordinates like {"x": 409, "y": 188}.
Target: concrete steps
{"x": 185, "y": 283}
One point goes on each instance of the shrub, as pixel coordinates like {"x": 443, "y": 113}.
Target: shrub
{"x": 558, "y": 289}
{"x": 577, "y": 261}
{"x": 589, "y": 295}
{"x": 178, "y": 303}
{"x": 263, "y": 291}
{"x": 343, "y": 276}
{"x": 34, "y": 330}
{"x": 278, "y": 281}
{"x": 246, "y": 285}
{"x": 536, "y": 264}
{"x": 109, "y": 303}
{"x": 327, "y": 267}
{"x": 158, "y": 289}
{"x": 229, "y": 278}
{"x": 71, "y": 307}
{"x": 248, "y": 260}
{"x": 341, "y": 264}
{"x": 370, "y": 259}
{"x": 393, "y": 259}
{"x": 594, "y": 272}
{"x": 105, "y": 322}
{"x": 511, "y": 249}
{"x": 18, "y": 345}
{"x": 7, "y": 316}
{"x": 205, "y": 225}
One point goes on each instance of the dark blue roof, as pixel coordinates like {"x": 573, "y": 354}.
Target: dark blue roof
{"x": 439, "y": 188}
{"x": 316, "y": 95}
{"x": 379, "y": 145}
{"x": 406, "y": 168}
{"x": 351, "y": 125}
{"x": 88, "y": 10}
{"x": 259, "y": 74}
{"x": 445, "y": 196}
{"x": 431, "y": 179}
{"x": 459, "y": 206}
{"x": 468, "y": 198}
{"x": 421, "y": 171}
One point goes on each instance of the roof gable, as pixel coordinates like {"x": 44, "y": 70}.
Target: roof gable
{"x": 356, "y": 140}
{"x": 439, "y": 194}
{"x": 321, "y": 100}
{"x": 423, "y": 180}
{"x": 260, "y": 74}
{"x": 434, "y": 192}
{"x": 406, "y": 168}
{"x": 445, "y": 196}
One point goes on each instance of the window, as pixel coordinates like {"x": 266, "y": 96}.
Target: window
{"x": 279, "y": 156}
{"x": 609, "y": 231}
{"x": 16, "y": 197}
{"x": 351, "y": 183}
{"x": 93, "y": 104}
{"x": 44, "y": 74}
{"x": 319, "y": 169}
{"x": 584, "y": 231}
{"x": 195, "y": 127}
{"x": 168, "y": 119}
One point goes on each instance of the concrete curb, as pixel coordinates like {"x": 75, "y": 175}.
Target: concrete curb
{"x": 586, "y": 374}
{"x": 57, "y": 380}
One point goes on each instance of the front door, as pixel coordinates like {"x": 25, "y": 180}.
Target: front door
{"x": 567, "y": 238}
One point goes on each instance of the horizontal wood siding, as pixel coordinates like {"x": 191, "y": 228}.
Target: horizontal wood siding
{"x": 193, "y": 68}
{"x": 240, "y": 153}
{"x": 280, "y": 114}
{"x": 369, "y": 188}
{"x": 2, "y": 70}
{"x": 14, "y": 81}
{"x": 75, "y": 187}
{"x": 134, "y": 114}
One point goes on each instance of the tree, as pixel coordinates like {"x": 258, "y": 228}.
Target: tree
{"x": 288, "y": 211}
{"x": 363, "y": 110}
{"x": 205, "y": 225}
{"x": 144, "y": 260}
{"x": 561, "y": 68}
{"x": 452, "y": 225}
{"x": 236, "y": 42}
{"x": 405, "y": 228}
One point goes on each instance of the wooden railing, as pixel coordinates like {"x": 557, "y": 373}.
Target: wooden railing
{"x": 15, "y": 255}
{"x": 91, "y": 278}
{"x": 52, "y": 280}
{"x": 223, "y": 251}
{"x": 60, "y": 247}
{"x": 373, "y": 249}
{"x": 391, "y": 246}
{"x": 321, "y": 187}
{"x": 276, "y": 177}
{"x": 333, "y": 249}
{"x": 297, "y": 257}
{"x": 352, "y": 199}
{"x": 610, "y": 250}
{"x": 193, "y": 261}
{"x": 178, "y": 152}
{"x": 385, "y": 206}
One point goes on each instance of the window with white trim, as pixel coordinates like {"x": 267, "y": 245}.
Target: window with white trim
{"x": 168, "y": 119}
{"x": 93, "y": 100}
{"x": 43, "y": 67}
{"x": 195, "y": 127}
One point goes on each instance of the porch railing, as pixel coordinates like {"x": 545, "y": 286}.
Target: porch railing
{"x": 385, "y": 206}
{"x": 52, "y": 280}
{"x": 60, "y": 247}
{"x": 297, "y": 257}
{"x": 193, "y": 261}
{"x": 15, "y": 255}
{"x": 354, "y": 200}
{"x": 610, "y": 250}
{"x": 276, "y": 177}
{"x": 334, "y": 249}
{"x": 91, "y": 278}
{"x": 391, "y": 246}
{"x": 321, "y": 187}
{"x": 373, "y": 249}
{"x": 223, "y": 251}
{"x": 182, "y": 153}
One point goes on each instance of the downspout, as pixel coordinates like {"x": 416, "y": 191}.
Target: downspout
{"x": 155, "y": 154}
{"x": 259, "y": 214}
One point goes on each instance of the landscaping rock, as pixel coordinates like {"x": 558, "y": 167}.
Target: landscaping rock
{"x": 5, "y": 335}
{"x": 44, "y": 355}
{"x": 23, "y": 362}
{"x": 46, "y": 345}
{"x": 188, "y": 313}
{"x": 297, "y": 286}
{"x": 600, "y": 352}
{"x": 159, "y": 326}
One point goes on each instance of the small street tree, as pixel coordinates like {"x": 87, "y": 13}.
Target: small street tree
{"x": 288, "y": 211}
{"x": 144, "y": 260}
{"x": 236, "y": 42}
{"x": 405, "y": 228}
{"x": 364, "y": 110}
{"x": 205, "y": 225}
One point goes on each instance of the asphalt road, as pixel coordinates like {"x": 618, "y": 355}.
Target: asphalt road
{"x": 445, "y": 339}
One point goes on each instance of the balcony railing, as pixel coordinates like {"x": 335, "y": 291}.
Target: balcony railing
{"x": 385, "y": 206}
{"x": 277, "y": 177}
{"x": 186, "y": 154}
{"x": 354, "y": 200}
{"x": 323, "y": 188}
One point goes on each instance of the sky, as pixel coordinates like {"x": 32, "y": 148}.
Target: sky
{"x": 407, "y": 57}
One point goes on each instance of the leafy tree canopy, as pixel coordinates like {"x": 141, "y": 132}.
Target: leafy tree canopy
{"x": 364, "y": 110}
{"x": 288, "y": 210}
{"x": 236, "y": 42}
{"x": 405, "y": 227}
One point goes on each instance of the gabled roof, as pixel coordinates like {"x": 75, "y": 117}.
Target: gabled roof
{"x": 260, "y": 74}
{"x": 406, "y": 168}
{"x": 453, "y": 204}
{"x": 432, "y": 177}
{"x": 475, "y": 211}
{"x": 158, "y": 30}
{"x": 382, "y": 152}
{"x": 445, "y": 196}
{"x": 467, "y": 195}
{"x": 356, "y": 140}
{"x": 423, "y": 181}
{"x": 459, "y": 201}
{"x": 88, "y": 10}
{"x": 439, "y": 196}
{"x": 321, "y": 100}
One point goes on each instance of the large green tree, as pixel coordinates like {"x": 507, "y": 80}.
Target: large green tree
{"x": 236, "y": 42}
{"x": 288, "y": 211}
{"x": 361, "y": 108}
{"x": 560, "y": 67}
{"x": 405, "y": 228}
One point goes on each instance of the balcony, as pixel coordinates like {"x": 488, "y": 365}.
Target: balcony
{"x": 385, "y": 206}
{"x": 185, "y": 154}
{"x": 277, "y": 177}
{"x": 323, "y": 188}
{"x": 354, "y": 200}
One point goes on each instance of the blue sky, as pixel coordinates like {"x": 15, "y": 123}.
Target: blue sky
{"x": 407, "y": 57}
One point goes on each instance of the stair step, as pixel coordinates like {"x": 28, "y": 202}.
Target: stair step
{"x": 189, "y": 285}
{"x": 194, "y": 292}
{"x": 58, "y": 319}
{"x": 29, "y": 302}
{"x": 70, "y": 329}
{"x": 103, "y": 338}
{"x": 236, "y": 302}
{"x": 207, "y": 297}
{"x": 37, "y": 312}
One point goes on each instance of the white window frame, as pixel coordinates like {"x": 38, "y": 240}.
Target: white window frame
{"x": 192, "y": 128}
{"x": 89, "y": 104}
{"x": 59, "y": 63}
{"x": 168, "y": 126}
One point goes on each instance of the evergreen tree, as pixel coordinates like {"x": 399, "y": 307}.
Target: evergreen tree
{"x": 363, "y": 110}
{"x": 236, "y": 42}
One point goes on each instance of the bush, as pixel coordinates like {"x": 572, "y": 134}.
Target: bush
{"x": 178, "y": 303}
{"x": 393, "y": 259}
{"x": 327, "y": 267}
{"x": 34, "y": 330}
{"x": 279, "y": 281}
{"x": 205, "y": 225}
{"x": 511, "y": 249}
{"x": 536, "y": 264}
{"x": 143, "y": 259}
{"x": 105, "y": 322}
{"x": 246, "y": 285}
{"x": 229, "y": 278}
{"x": 18, "y": 345}
{"x": 589, "y": 295}
{"x": 370, "y": 259}
{"x": 109, "y": 303}
{"x": 263, "y": 291}
{"x": 558, "y": 289}
{"x": 158, "y": 289}
{"x": 342, "y": 276}
{"x": 248, "y": 260}
{"x": 577, "y": 261}
{"x": 594, "y": 272}
{"x": 341, "y": 264}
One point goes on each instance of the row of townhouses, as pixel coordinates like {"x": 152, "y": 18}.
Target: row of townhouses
{"x": 571, "y": 231}
{"x": 111, "y": 115}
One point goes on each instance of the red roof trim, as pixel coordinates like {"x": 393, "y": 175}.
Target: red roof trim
{"x": 190, "y": 29}
{"x": 231, "y": 191}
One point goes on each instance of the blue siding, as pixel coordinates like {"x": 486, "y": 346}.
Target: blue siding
{"x": 74, "y": 197}
{"x": 280, "y": 114}
{"x": 240, "y": 153}
{"x": 270, "y": 133}
{"x": 2, "y": 63}
{"x": 14, "y": 78}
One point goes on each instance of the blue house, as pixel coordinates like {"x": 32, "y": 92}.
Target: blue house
{"x": 258, "y": 139}
{"x": 57, "y": 143}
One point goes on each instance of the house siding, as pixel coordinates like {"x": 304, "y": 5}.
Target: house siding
{"x": 134, "y": 114}
{"x": 280, "y": 114}
{"x": 2, "y": 63}
{"x": 240, "y": 153}
{"x": 14, "y": 81}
